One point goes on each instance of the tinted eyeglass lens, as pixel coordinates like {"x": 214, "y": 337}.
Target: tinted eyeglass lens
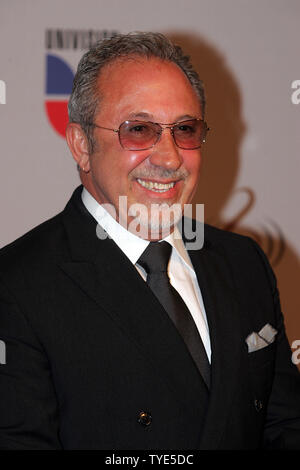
{"x": 189, "y": 134}
{"x": 141, "y": 135}
{"x": 135, "y": 135}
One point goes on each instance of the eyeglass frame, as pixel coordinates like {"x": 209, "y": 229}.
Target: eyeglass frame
{"x": 168, "y": 126}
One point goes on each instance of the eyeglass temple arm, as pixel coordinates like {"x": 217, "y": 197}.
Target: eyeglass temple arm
{"x": 106, "y": 128}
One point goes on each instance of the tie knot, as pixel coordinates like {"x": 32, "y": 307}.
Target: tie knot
{"x": 156, "y": 257}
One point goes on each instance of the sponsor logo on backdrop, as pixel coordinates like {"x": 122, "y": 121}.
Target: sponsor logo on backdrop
{"x": 295, "y": 96}
{"x": 59, "y": 74}
{"x": 2, "y": 92}
{"x": 63, "y": 39}
{"x": 267, "y": 233}
{"x": 59, "y": 80}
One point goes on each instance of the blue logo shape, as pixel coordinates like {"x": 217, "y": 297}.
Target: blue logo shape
{"x": 60, "y": 76}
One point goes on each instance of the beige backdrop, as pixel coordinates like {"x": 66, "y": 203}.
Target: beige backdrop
{"x": 247, "y": 54}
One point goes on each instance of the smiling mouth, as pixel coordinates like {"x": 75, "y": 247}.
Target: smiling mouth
{"x": 156, "y": 187}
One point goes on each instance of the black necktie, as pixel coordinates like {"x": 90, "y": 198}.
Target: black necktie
{"x": 155, "y": 261}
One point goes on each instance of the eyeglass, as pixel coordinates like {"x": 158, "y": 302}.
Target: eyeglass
{"x": 142, "y": 135}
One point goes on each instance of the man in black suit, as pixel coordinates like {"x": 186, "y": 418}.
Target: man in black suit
{"x": 116, "y": 335}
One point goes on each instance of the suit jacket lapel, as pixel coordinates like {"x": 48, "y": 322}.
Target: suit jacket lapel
{"x": 106, "y": 275}
{"x": 213, "y": 274}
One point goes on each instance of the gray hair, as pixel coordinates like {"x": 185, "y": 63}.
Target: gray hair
{"x": 84, "y": 99}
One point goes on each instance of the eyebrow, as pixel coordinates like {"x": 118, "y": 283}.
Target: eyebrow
{"x": 151, "y": 117}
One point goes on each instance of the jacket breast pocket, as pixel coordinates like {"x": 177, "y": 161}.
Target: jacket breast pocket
{"x": 261, "y": 369}
{"x": 263, "y": 356}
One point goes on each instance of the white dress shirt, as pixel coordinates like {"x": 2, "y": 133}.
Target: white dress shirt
{"x": 180, "y": 269}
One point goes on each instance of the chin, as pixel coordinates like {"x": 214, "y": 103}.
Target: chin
{"x": 157, "y": 221}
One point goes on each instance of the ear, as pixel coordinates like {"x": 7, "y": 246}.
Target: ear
{"x": 78, "y": 144}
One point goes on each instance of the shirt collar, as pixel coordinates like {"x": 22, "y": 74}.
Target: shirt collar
{"x": 131, "y": 245}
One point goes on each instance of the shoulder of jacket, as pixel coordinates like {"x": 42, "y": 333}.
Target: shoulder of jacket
{"x": 39, "y": 242}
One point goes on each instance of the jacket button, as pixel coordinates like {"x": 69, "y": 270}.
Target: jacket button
{"x": 258, "y": 405}
{"x": 144, "y": 418}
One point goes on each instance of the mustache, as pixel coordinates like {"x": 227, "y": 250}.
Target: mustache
{"x": 160, "y": 173}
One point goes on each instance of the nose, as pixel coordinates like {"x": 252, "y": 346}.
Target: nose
{"x": 165, "y": 153}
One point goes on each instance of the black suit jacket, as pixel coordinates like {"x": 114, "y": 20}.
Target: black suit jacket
{"x": 89, "y": 348}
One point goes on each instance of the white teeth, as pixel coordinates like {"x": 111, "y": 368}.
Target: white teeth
{"x": 157, "y": 187}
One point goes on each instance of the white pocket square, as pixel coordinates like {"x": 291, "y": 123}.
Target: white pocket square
{"x": 263, "y": 338}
